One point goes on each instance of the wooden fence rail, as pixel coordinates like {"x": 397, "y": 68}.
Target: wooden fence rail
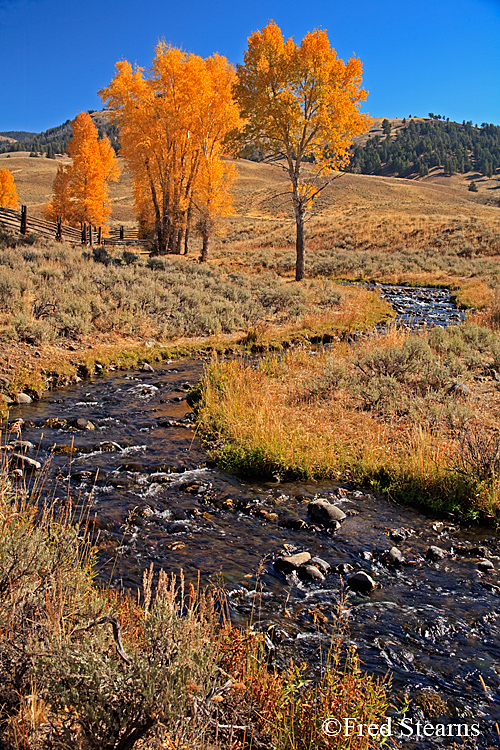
{"x": 86, "y": 235}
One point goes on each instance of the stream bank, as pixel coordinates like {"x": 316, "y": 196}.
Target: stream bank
{"x": 125, "y": 446}
{"x": 155, "y": 497}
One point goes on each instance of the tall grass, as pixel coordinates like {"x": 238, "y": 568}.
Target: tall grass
{"x": 390, "y": 411}
{"x": 396, "y": 244}
{"x": 52, "y": 292}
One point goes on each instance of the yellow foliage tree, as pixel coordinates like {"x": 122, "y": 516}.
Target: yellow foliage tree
{"x": 300, "y": 102}
{"x": 173, "y": 119}
{"x": 8, "y": 192}
{"x": 81, "y": 189}
{"x": 212, "y": 197}
{"x": 62, "y": 204}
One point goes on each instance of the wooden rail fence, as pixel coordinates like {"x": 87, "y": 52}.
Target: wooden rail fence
{"x": 86, "y": 235}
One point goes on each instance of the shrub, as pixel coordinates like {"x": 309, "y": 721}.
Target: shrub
{"x": 32, "y": 331}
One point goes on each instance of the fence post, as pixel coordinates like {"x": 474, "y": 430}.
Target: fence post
{"x": 84, "y": 233}
{"x": 59, "y": 229}
{"x": 24, "y": 219}
{"x": 91, "y": 236}
{"x": 99, "y": 236}
{"x": 122, "y": 233}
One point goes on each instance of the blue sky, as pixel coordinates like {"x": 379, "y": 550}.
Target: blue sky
{"x": 440, "y": 56}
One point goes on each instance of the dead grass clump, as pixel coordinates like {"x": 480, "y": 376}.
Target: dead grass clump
{"x": 288, "y": 711}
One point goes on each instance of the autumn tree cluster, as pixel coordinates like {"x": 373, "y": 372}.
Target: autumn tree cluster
{"x": 8, "y": 192}
{"x": 173, "y": 120}
{"x": 297, "y": 103}
{"x": 80, "y": 190}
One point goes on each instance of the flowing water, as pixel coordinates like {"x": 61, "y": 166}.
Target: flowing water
{"x": 155, "y": 497}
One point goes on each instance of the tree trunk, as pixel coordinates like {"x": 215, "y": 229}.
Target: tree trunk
{"x": 204, "y": 247}
{"x": 161, "y": 238}
{"x": 176, "y": 240}
{"x": 299, "y": 246}
{"x": 186, "y": 230}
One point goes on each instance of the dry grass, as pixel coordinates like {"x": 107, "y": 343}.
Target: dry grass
{"x": 388, "y": 410}
{"x": 57, "y": 301}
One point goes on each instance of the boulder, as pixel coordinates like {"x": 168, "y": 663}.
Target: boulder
{"x": 459, "y": 390}
{"x": 23, "y": 398}
{"x": 362, "y": 582}
{"x": 22, "y": 445}
{"x": 325, "y": 513}
{"x": 310, "y": 573}
{"x": 485, "y": 566}
{"x": 394, "y": 557}
{"x": 288, "y": 563}
{"x": 343, "y": 568}
{"x": 435, "y": 553}
{"x": 84, "y": 424}
{"x": 19, "y": 460}
{"x": 321, "y": 564}
{"x": 398, "y": 535}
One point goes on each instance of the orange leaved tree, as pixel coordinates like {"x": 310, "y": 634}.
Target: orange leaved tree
{"x": 173, "y": 119}
{"x": 81, "y": 189}
{"x": 301, "y": 104}
{"x": 212, "y": 197}
{"x": 62, "y": 204}
{"x": 8, "y": 192}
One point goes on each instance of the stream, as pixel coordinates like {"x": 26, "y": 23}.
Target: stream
{"x": 155, "y": 497}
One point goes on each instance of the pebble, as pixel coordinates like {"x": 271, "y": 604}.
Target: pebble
{"x": 146, "y": 367}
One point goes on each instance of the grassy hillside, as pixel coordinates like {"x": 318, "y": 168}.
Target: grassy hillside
{"x": 428, "y": 230}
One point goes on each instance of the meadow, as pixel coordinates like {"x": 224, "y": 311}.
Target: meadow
{"x": 414, "y": 416}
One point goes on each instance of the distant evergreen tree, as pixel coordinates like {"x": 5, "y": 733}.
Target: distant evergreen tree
{"x": 473, "y": 187}
{"x": 386, "y": 127}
